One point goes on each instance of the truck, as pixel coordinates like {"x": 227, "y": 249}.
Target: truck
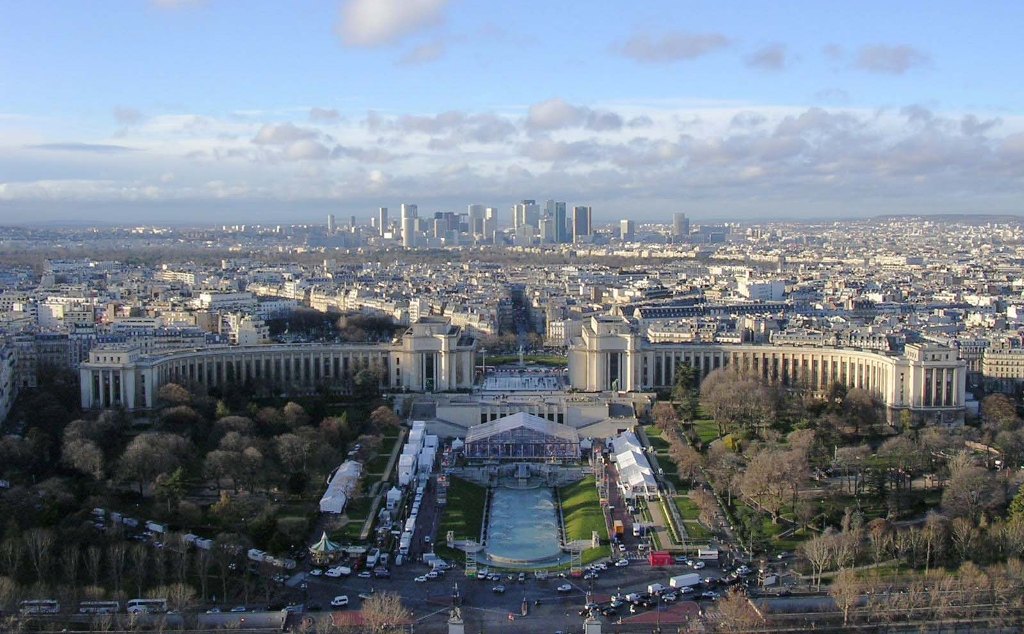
{"x": 404, "y": 542}
{"x": 620, "y": 529}
{"x": 371, "y": 557}
{"x": 256, "y": 554}
{"x": 656, "y": 588}
{"x": 684, "y": 581}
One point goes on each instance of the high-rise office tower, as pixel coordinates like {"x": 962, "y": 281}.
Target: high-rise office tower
{"x": 352, "y": 222}
{"x": 556, "y": 211}
{"x": 409, "y": 222}
{"x": 382, "y": 219}
{"x": 526, "y": 213}
{"x": 330, "y": 224}
{"x": 547, "y": 230}
{"x": 627, "y": 230}
{"x": 680, "y": 226}
{"x": 490, "y": 222}
{"x": 580, "y": 223}
{"x": 476, "y": 220}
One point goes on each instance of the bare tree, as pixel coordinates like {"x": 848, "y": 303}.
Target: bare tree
{"x": 173, "y": 394}
{"x": 85, "y": 456}
{"x": 39, "y": 546}
{"x": 687, "y": 459}
{"x": 738, "y": 399}
{"x": 771, "y": 479}
{"x": 971, "y": 490}
{"x": 10, "y": 556}
{"x": 846, "y": 590}
{"x": 733, "y": 613}
{"x": 9, "y": 593}
{"x": 94, "y": 563}
{"x": 384, "y": 613}
{"x": 880, "y": 534}
{"x": 138, "y": 556}
{"x": 964, "y": 534}
{"x": 202, "y": 566}
{"x": 384, "y": 418}
{"x": 117, "y": 557}
{"x": 70, "y": 556}
{"x": 818, "y": 552}
{"x": 934, "y": 534}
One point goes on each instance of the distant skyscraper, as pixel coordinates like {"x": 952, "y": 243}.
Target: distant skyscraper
{"x": 580, "y": 223}
{"x": 490, "y": 222}
{"x": 556, "y": 211}
{"x": 382, "y": 219}
{"x": 409, "y": 218}
{"x": 627, "y": 230}
{"x": 352, "y": 222}
{"x": 476, "y": 219}
{"x": 526, "y": 213}
{"x": 680, "y": 226}
{"x": 330, "y": 224}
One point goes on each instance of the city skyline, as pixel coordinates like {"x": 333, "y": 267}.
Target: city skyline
{"x": 176, "y": 111}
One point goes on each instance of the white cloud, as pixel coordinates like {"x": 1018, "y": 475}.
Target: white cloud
{"x": 372, "y": 23}
{"x": 891, "y": 60}
{"x": 423, "y": 54}
{"x": 282, "y": 134}
{"x": 671, "y": 47}
{"x": 553, "y": 114}
{"x": 725, "y": 154}
{"x": 771, "y": 57}
{"x": 323, "y": 115}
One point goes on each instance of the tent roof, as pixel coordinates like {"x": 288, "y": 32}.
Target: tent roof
{"x": 518, "y": 420}
{"x": 325, "y": 545}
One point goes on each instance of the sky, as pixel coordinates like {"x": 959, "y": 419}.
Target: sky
{"x": 262, "y": 111}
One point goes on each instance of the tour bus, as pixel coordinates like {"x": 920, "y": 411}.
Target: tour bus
{"x": 99, "y": 607}
{"x": 39, "y": 606}
{"x": 139, "y": 606}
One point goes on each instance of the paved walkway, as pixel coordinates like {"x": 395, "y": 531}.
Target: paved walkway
{"x": 396, "y": 450}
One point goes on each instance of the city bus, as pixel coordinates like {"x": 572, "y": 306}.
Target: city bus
{"x": 39, "y": 606}
{"x": 99, "y": 607}
{"x": 140, "y": 606}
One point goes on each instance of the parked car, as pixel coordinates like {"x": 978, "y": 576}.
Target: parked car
{"x": 622, "y": 563}
{"x": 498, "y": 589}
{"x": 365, "y": 574}
{"x": 340, "y": 601}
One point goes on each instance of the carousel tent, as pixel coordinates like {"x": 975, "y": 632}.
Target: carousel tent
{"x": 324, "y": 550}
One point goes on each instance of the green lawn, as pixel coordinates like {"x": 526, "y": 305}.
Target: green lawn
{"x": 539, "y": 359}
{"x": 696, "y": 532}
{"x": 687, "y": 509}
{"x": 464, "y": 513}
{"x": 706, "y": 429}
{"x": 377, "y": 465}
{"x": 658, "y": 443}
{"x": 581, "y": 508}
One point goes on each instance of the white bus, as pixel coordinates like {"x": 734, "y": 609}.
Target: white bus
{"x": 140, "y": 606}
{"x": 39, "y": 606}
{"x": 99, "y": 607}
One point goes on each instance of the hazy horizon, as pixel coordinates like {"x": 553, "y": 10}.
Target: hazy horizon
{"x": 179, "y": 110}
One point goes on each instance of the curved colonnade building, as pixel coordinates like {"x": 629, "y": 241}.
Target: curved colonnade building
{"x": 431, "y": 356}
{"x": 927, "y": 380}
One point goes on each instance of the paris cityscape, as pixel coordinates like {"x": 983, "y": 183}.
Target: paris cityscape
{"x": 710, "y": 324}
